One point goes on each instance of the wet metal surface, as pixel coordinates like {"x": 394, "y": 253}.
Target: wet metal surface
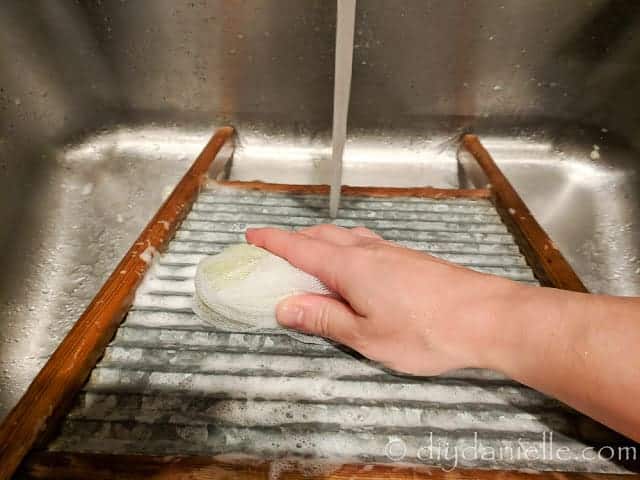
{"x": 169, "y": 384}
{"x": 103, "y": 105}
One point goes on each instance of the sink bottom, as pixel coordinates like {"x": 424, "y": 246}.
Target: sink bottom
{"x": 84, "y": 207}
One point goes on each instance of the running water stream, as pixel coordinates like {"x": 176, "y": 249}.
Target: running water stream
{"x": 342, "y": 86}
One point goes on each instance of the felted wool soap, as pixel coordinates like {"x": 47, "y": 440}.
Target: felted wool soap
{"x": 239, "y": 288}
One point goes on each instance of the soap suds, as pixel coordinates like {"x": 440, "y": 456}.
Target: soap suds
{"x": 148, "y": 254}
{"x": 87, "y": 189}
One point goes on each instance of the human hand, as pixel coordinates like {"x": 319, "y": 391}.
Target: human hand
{"x": 407, "y": 310}
{"x": 418, "y": 314}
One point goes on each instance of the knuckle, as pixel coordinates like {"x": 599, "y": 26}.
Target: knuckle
{"x": 367, "y": 254}
{"x": 323, "y": 320}
{"x": 366, "y": 232}
{"x": 289, "y": 248}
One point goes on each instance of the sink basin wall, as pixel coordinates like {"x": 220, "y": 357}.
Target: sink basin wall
{"x": 103, "y": 105}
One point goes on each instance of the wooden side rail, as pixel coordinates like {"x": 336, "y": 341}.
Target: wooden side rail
{"x": 542, "y": 254}
{"x": 80, "y": 466}
{"x": 50, "y": 394}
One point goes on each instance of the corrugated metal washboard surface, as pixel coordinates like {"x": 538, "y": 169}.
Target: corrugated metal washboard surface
{"x": 168, "y": 384}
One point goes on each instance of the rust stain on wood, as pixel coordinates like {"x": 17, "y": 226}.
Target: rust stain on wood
{"x": 418, "y": 192}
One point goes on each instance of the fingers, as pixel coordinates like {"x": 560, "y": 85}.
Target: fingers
{"x": 332, "y": 233}
{"x": 340, "y": 235}
{"x": 320, "y": 315}
{"x": 315, "y": 249}
{"x": 316, "y": 257}
{"x": 366, "y": 233}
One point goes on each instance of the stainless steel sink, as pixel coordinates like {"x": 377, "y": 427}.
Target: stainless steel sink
{"x": 103, "y": 105}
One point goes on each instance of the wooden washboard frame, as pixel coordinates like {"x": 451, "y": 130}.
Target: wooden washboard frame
{"x": 50, "y": 395}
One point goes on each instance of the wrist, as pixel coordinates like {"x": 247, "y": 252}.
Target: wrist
{"x": 489, "y": 335}
{"x": 511, "y": 320}
{"x": 532, "y": 324}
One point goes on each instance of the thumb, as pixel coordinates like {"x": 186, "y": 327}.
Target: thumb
{"x": 319, "y": 315}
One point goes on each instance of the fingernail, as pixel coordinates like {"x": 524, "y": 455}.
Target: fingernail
{"x": 290, "y": 315}
{"x": 248, "y": 233}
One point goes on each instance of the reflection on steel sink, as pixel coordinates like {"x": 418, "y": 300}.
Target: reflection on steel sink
{"x": 104, "y": 105}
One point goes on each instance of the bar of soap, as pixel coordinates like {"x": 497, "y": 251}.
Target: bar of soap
{"x": 239, "y": 289}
